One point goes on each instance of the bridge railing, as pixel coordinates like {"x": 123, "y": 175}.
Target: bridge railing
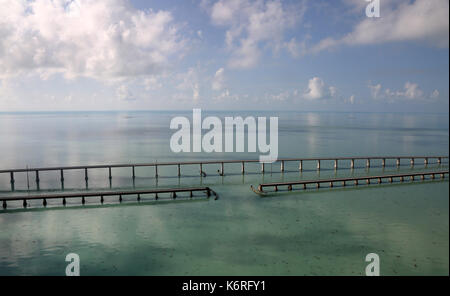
{"x": 369, "y": 162}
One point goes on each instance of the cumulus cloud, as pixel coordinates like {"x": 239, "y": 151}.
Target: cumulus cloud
{"x": 102, "y": 39}
{"x": 317, "y": 90}
{"x": 218, "y": 82}
{"x": 410, "y": 91}
{"x": 375, "y": 90}
{"x": 252, "y": 24}
{"x": 420, "y": 20}
{"x": 226, "y": 95}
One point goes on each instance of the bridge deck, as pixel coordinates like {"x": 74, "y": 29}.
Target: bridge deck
{"x": 133, "y": 167}
{"x": 102, "y": 194}
{"x": 349, "y": 179}
{"x": 153, "y": 164}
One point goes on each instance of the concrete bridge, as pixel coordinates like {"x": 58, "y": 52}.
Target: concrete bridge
{"x": 337, "y": 161}
{"x": 303, "y": 184}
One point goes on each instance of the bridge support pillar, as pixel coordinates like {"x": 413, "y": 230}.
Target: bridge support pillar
{"x": 37, "y": 179}
{"x": 12, "y": 181}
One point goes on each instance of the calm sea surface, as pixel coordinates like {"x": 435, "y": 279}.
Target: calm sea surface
{"x": 318, "y": 232}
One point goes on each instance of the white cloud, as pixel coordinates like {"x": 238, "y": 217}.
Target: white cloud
{"x": 410, "y": 91}
{"x": 152, "y": 83}
{"x": 434, "y": 94}
{"x": 218, "y": 82}
{"x": 225, "y": 95}
{"x": 102, "y": 39}
{"x": 295, "y": 48}
{"x": 351, "y": 100}
{"x": 252, "y": 24}
{"x": 333, "y": 91}
{"x": 124, "y": 94}
{"x": 189, "y": 82}
{"x": 375, "y": 90}
{"x": 420, "y": 20}
{"x": 282, "y": 97}
{"x": 318, "y": 90}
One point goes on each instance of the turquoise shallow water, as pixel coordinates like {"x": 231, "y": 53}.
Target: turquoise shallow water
{"x": 324, "y": 232}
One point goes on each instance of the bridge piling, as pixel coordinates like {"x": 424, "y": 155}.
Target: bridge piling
{"x": 12, "y": 181}
{"x": 62, "y": 178}
{"x": 37, "y": 179}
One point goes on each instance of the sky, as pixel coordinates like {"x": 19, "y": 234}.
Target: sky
{"x": 297, "y": 55}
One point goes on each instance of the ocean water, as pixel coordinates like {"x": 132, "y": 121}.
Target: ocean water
{"x": 316, "y": 232}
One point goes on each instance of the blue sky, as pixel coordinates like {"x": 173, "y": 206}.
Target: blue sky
{"x": 229, "y": 54}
